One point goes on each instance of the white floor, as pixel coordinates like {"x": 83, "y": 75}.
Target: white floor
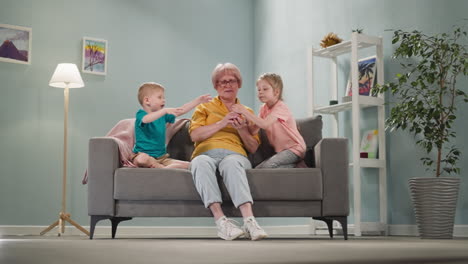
{"x": 51, "y": 249}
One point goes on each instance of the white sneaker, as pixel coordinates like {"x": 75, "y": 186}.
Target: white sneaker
{"x": 253, "y": 230}
{"x": 227, "y": 229}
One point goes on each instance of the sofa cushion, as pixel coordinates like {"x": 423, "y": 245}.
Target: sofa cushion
{"x": 154, "y": 184}
{"x": 174, "y": 184}
{"x": 285, "y": 184}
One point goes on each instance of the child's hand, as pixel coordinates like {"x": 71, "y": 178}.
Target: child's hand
{"x": 238, "y": 108}
{"x": 204, "y": 98}
{"x": 174, "y": 111}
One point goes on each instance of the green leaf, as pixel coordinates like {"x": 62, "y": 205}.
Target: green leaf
{"x": 426, "y": 94}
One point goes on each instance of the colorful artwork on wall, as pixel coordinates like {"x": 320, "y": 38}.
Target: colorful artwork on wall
{"x": 15, "y": 44}
{"x": 94, "y": 56}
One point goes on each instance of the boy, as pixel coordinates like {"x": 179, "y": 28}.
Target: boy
{"x": 150, "y": 127}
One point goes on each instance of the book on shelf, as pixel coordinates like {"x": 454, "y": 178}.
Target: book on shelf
{"x": 367, "y": 77}
{"x": 369, "y": 144}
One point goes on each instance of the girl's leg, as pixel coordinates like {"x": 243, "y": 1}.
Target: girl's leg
{"x": 283, "y": 159}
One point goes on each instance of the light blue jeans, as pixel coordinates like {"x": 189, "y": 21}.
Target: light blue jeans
{"x": 231, "y": 166}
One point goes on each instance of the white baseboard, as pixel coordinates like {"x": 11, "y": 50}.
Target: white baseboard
{"x": 412, "y": 230}
{"x": 210, "y": 231}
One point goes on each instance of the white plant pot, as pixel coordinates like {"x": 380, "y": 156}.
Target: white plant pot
{"x": 435, "y": 204}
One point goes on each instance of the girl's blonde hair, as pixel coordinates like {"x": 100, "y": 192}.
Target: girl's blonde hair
{"x": 225, "y": 69}
{"x": 275, "y": 81}
{"x": 147, "y": 89}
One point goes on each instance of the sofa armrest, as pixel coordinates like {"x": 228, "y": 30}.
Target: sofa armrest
{"x": 103, "y": 160}
{"x": 331, "y": 156}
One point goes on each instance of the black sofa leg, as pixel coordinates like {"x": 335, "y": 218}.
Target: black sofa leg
{"x": 344, "y": 225}
{"x": 94, "y": 220}
{"x": 329, "y": 221}
{"x": 114, "y": 221}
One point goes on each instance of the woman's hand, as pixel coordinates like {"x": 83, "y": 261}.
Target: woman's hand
{"x": 203, "y": 132}
{"x": 239, "y": 122}
{"x": 229, "y": 119}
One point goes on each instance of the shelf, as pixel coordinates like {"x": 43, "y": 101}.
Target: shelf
{"x": 353, "y": 104}
{"x": 364, "y": 41}
{"x": 333, "y": 109}
{"x": 363, "y": 101}
{"x": 370, "y": 163}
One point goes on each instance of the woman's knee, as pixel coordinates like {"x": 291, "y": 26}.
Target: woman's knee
{"x": 203, "y": 167}
{"x": 235, "y": 161}
{"x": 202, "y": 161}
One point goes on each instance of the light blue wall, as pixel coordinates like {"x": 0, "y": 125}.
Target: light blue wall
{"x": 176, "y": 43}
{"x": 283, "y": 31}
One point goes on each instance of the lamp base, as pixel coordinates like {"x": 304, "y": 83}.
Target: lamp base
{"x": 61, "y": 225}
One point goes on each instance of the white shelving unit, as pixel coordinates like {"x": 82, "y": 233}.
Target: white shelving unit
{"x": 357, "y": 103}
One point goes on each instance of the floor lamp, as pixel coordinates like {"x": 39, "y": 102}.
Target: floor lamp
{"x": 66, "y": 76}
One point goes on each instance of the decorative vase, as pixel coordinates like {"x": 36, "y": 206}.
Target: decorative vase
{"x": 435, "y": 204}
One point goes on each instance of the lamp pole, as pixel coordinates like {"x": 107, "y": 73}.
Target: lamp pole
{"x": 58, "y": 80}
{"x": 66, "y": 93}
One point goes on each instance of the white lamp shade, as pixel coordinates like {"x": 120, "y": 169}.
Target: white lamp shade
{"x": 66, "y": 75}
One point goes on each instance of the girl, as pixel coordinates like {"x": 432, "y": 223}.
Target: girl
{"x": 277, "y": 121}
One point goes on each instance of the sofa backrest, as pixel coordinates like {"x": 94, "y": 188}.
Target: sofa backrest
{"x": 181, "y": 146}
{"x": 311, "y": 130}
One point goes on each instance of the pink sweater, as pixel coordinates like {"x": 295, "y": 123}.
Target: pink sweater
{"x": 283, "y": 135}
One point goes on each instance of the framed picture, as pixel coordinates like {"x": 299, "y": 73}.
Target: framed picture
{"x": 94, "y": 59}
{"x": 15, "y": 44}
{"x": 367, "y": 76}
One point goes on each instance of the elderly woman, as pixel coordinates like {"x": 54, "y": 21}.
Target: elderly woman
{"x": 222, "y": 139}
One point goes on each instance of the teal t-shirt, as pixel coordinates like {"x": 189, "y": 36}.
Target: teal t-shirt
{"x": 150, "y": 138}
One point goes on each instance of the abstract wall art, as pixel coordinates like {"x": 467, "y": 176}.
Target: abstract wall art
{"x": 94, "y": 59}
{"x": 15, "y": 44}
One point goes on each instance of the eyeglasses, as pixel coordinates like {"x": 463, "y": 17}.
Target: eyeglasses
{"x": 226, "y": 82}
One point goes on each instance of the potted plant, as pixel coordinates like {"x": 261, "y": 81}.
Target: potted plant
{"x": 426, "y": 98}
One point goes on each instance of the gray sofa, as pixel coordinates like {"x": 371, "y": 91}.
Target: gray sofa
{"x": 320, "y": 191}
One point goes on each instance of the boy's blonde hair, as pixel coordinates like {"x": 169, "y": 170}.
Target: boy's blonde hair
{"x": 147, "y": 89}
{"x": 275, "y": 81}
